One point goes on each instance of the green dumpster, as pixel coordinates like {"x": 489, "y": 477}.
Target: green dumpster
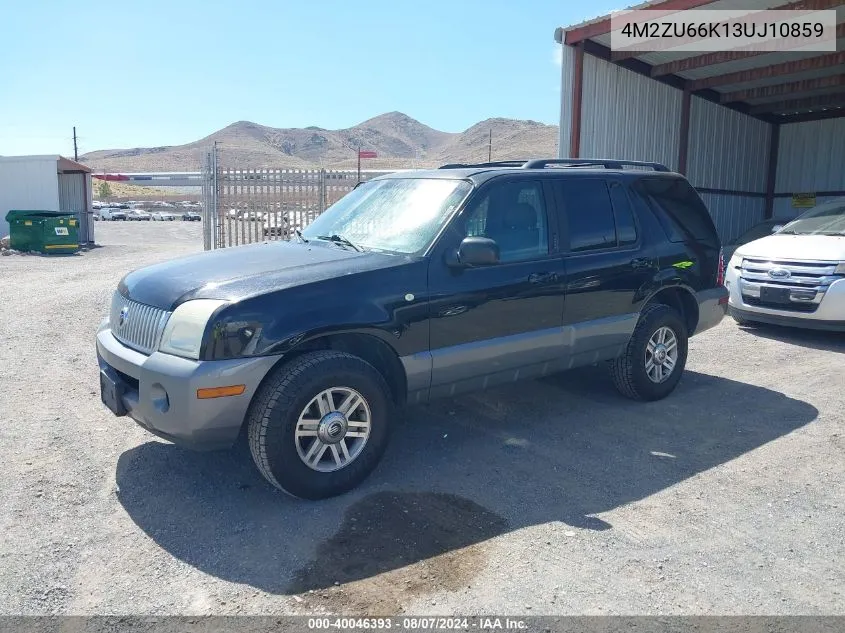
{"x": 44, "y": 231}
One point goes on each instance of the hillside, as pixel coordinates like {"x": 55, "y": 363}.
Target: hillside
{"x": 400, "y": 141}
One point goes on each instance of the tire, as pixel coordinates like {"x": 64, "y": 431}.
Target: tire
{"x": 289, "y": 394}
{"x": 629, "y": 371}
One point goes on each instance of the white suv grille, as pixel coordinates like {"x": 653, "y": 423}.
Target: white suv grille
{"x": 786, "y": 285}
{"x": 136, "y": 325}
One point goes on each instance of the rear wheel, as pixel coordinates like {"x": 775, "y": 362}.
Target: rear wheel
{"x": 655, "y": 356}
{"x": 320, "y": 424}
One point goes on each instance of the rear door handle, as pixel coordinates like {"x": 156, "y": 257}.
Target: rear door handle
{"x": 542, "y": 278}
{"x": 641, "y": 262}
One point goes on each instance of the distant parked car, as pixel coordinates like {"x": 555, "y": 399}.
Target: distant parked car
{"x": 272, "y": 226}
{"x": 191, "y": 216}
{"x": 163, "y": 216}
{"x": 766, "y": 227}
{"x": 138, "y": 215}
{"x": 112, "y": 213}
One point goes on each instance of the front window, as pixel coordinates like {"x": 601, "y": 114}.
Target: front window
{"x": 399, "y": 215}
{"x": 825, "y": 219}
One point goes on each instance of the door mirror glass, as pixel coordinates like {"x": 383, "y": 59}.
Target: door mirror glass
{"x": 477, "y": 251}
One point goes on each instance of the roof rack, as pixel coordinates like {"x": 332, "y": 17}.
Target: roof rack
{"x": 498, "y": 163}
{"x": 541, "y": 163}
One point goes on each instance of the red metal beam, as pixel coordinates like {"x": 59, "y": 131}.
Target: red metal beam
{"x": 712, "y": 59}
{"x": 602, "y": 26}
{"x": 683, "y": 144}
{"x": 577, "y": 89}
{"x": 800, "y": 105}
{"x": 778, "y": 90}
{"x": 775, "y": 70}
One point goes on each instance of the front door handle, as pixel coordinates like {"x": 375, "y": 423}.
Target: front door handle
{"x": 641, "y": 262}
{"x": 542, "y": 278}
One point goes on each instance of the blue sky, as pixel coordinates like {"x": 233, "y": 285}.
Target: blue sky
{"x": 153, "y": 73}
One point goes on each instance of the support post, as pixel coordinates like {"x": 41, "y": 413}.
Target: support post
{"x": 771, "y": 176}
{"x": 577, "y": 89}
{"x": 683, "y": 141}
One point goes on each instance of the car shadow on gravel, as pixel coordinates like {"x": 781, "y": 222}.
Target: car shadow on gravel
{"x": 813, "y": 339}
{"x": 458, "y": 473}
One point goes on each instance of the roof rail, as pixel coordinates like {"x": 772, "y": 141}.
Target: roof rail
{"x": 499, "y": 163}
{"x": 540, "y": 163}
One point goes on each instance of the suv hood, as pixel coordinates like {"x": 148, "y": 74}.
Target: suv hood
{"x": 238, "y": 272}
{"x": 825, "y": 248}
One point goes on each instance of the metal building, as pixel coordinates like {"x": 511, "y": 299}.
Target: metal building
{"x": 759, "y": 134}
{"x": 47, "y": 183}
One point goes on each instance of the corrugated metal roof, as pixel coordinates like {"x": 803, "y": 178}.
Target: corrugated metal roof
{"x": 763, "y": 60}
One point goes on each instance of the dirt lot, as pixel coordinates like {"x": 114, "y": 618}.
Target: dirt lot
{"x": 549, "y": 497}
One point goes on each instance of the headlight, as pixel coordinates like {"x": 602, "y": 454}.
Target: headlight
{"x": 183, "y": 333}
{"x": 840, "y": 269}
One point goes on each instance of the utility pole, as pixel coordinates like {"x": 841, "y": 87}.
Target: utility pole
{"x": 75, "y": 151}
{"x": 490, "y": 147}
{"x": 359, "y": 163}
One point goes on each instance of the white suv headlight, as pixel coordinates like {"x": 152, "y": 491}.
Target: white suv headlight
{"x": 183, "y": 333}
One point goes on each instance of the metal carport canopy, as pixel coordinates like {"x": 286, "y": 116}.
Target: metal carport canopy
{"x": 776, "y": 87}
{"x": 780, "y": 87}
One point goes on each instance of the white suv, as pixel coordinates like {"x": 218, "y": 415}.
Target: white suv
{"x": 795, "y": 276}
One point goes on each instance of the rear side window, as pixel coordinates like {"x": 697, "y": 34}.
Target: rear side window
{"x": 589, "y": 213}
{"x": 626, "y": 229}
{"x": 678, "y": 209}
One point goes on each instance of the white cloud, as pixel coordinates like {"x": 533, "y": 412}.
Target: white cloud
{"x": 557, "y": 55}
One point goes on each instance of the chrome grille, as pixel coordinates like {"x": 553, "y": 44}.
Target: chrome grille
{"x": 142, "y": 324}
{"x": 802, "y": 284}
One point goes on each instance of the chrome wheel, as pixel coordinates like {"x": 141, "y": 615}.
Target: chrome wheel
{"x": 333, "y": 429}
{"x": 661, "y": 355}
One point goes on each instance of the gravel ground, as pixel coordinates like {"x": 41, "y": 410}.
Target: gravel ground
{"x": 549, "y": 497}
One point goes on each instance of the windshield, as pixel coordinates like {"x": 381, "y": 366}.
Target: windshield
{"x": 401, "y": 215}
{"x": 825, "y": 219}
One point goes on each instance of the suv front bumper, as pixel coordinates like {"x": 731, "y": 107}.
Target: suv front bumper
{"x": 159, "y": 392}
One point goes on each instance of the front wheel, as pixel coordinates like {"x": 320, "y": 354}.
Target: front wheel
{"x": 319, "y": 425}
{"x": 654, "y": 359}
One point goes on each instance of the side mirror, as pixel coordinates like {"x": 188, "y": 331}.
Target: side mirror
{"x": 475, "y": 251}
{"x": 776, "y": 228}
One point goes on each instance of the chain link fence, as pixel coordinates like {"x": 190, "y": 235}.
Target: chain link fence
{"x": 243, "y": 205}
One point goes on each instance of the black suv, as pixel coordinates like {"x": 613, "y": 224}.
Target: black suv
{"x": 413, "y": 286}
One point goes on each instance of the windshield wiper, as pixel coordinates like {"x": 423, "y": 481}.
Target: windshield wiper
{"x": 789, "y": 232}
{"x": 341, "y": 241}
{"x": 298, "y": 234}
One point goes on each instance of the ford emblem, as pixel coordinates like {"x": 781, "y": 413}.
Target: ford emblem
{"x": 779, "y": 273}
{"x": 124, "y": 314}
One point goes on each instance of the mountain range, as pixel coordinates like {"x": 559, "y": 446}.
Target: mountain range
{"x": 399, "y": 140}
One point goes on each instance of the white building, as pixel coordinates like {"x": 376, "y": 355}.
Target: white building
{"x": 46, "y": 183}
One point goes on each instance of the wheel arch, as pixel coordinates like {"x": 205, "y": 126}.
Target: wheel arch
{"x": 680, "y": 298}
{"x": 365, "y": 345}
